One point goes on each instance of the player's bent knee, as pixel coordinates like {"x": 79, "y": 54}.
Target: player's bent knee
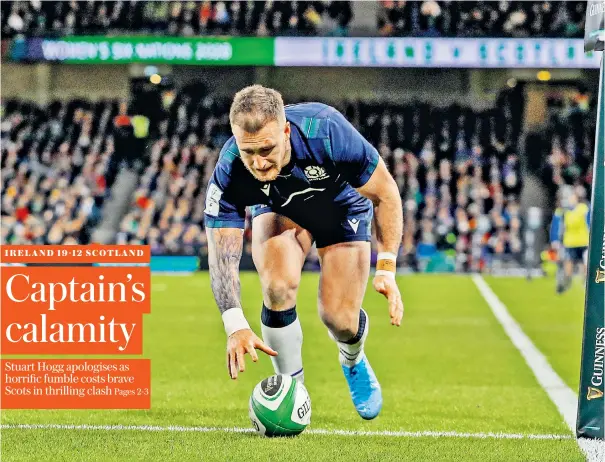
{"x": 280, "y": 293}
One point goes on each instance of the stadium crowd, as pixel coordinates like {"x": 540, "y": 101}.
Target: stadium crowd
{"x": 569, "y": 142}
{"x": 190, "y": 18}
{"x": 182, "y": 18}
{"x": 457, "y": 170}
{"x": 482, "y": 18}
{"x": 459, "y": 175}
{"x": 53, "y": 165}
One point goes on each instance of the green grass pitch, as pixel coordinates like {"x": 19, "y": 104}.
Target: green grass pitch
{"x": 449, "y": 368}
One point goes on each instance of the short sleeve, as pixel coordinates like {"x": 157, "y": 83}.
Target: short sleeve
{"x": 352, "y": 153}
{"x": 221, "y": 205}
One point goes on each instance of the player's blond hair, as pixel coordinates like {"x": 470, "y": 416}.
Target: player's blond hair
{"x": 255, "y": 106}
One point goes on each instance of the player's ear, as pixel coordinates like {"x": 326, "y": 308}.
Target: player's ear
{"x": 287, "y": 128}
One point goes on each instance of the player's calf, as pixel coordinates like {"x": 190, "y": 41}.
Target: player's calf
{"x": 351, "y": 349}
{"x": 343, "y": 324}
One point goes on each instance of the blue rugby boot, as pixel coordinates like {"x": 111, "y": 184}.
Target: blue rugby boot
{"x": 364, "y": 387}
{"x": 363, "y": 384}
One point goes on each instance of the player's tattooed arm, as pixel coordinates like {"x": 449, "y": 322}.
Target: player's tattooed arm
{"x": 224, "y": 253}
{"x": 382, "y": 190}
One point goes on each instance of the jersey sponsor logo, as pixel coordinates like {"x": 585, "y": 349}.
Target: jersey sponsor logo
{"x": 354, "y": 224}
{"x": 298, "y": 193}
{"x": 213, "y": 198}
{"x": 600, "y": 277}
{"x": 314, "y": 173}
{"x": 266, "y": 188}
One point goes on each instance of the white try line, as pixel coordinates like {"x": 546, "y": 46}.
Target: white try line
{"x": 312, "y": 431}
{"x": 559, "y": 393}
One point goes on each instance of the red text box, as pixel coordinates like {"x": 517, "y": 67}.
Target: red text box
{"x": 109, "y": 288}
{"x": 93, "y": 310}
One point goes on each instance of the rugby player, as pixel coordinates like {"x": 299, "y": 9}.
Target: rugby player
{"x": 309, "y": 176}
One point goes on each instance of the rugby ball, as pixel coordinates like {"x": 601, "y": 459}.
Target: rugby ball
{"x": 280, "y": 406}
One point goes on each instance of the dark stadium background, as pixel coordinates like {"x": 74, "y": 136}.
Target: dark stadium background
{"x": 472, "y": 150}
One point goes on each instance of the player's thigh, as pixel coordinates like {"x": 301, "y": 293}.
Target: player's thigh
{"x": 279, "y": 248}
{"x": 345, "y": 268}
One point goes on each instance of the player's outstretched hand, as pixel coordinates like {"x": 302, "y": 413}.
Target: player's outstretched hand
{"x": 388, "y": 287}
{"x": 238, "y": 344}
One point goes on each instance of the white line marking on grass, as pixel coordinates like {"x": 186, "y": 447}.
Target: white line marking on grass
{"x": 558, "y": 391}
{"x": 312, "y": 431}
{"x": 560, "y": 394}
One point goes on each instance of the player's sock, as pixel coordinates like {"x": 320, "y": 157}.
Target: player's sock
{"x": 351, "y": 351}
{"x": 282, "y": 332}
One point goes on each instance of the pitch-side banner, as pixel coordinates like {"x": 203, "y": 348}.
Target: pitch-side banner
{"x": 591, "y": 406}
{"x": 208, "y": 51}
{"x": 315, "y": 51}
{"x": 434, "y": 52}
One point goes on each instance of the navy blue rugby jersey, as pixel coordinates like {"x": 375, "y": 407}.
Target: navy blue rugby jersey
{"x": 330, "y": 158}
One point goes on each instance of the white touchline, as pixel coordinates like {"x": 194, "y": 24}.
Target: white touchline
{"x": 559, "y": 393}
{"x": 313, "y": 431}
